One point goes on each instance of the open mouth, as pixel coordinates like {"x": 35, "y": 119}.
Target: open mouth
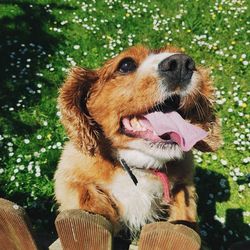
{"x": 164, "y": 124}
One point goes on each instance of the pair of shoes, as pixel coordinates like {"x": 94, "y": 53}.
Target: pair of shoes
{"x": 81, "y": 230}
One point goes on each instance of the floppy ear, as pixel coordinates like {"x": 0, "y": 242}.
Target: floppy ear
{"x": 210, "y": 121}
{"x": 213, "y": 140}
{"x": 81, "y": 128}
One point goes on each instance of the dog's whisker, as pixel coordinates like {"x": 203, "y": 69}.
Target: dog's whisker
{"x": 198, "y": 107}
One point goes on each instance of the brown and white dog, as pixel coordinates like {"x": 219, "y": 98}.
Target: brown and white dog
{"x": 142, "y": 111}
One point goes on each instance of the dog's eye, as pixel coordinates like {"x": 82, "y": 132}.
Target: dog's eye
{"x": 127, "y": 65}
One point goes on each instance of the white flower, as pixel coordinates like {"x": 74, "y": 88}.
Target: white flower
{"x": 39, "y": 137}
{"x": 214, "y": 157}
{"x": 76, "y": 47}
{"x": 241, "y": 188}
{"x": 26, "y": 141}
{"x": 36, "y": 154}
{"x": 209, "y": 202}
{"x": 246, "y": 213}
{"x": 15, "y": 206}
{"x": 12, "y": 178}
{"x": 237, "y": 170}
{"x": 220, "y": 219}
{"x": 246, "y": 160}
{"x": 222, "y": 182}
{"x": 199, "y": 160}
{"x": 203, "y": 233}
{"x": 21, "y": 167}
{"x": 223, "y": 162}
{"x": 43, "y": 150}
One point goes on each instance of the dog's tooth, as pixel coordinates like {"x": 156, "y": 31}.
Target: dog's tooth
{"x": 142, "y": 126}
{"x": 135, "y": 124}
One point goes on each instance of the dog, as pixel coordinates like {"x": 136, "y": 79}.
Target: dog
{"x": 132, "y": 124}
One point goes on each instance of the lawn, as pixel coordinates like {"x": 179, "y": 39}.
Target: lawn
{"x": 41, "y": 40}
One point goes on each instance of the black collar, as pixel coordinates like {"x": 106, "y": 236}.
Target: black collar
{"x": 129, "y": 171}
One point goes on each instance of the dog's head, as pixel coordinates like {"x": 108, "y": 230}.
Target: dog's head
{"x": 141, "y": 105}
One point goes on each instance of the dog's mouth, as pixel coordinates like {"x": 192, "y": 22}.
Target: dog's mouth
{"x": 163, "y": 123}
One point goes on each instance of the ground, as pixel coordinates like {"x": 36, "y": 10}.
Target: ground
{"x": 40, "y": 40}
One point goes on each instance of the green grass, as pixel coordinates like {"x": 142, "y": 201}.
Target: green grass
{"x": 37, "y": 46}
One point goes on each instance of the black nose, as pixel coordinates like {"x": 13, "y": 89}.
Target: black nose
{"x": 177, "y": 68}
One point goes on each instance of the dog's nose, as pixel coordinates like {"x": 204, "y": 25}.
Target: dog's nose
{"x": 177, "y": 68}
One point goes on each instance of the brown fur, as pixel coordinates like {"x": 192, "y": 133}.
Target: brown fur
{"x": 92, "y": 104}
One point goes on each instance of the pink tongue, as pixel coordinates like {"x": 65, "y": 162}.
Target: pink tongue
{"x": 180, "y": 131}
{"x": 165, "y": 182}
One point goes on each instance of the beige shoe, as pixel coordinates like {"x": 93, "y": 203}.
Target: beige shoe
{"x": 81, "y": 230}
{"x": 15, "y": 229}
{"x": 167, "y": 236}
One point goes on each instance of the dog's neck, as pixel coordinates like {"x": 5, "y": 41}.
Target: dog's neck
{"x": 137, "y": 159}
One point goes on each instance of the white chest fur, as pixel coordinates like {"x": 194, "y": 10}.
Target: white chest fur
{"x": 140, "y": 204}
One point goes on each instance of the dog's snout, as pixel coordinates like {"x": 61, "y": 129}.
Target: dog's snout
{"x": 177, "y": 68}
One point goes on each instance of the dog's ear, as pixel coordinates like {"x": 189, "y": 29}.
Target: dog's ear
{"x": 213, "y": 140}
{"x": 81, "y": 128}
{"x": 204, "y": 114}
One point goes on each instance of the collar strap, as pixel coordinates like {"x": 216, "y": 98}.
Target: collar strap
{"x": 129, "y": 171}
